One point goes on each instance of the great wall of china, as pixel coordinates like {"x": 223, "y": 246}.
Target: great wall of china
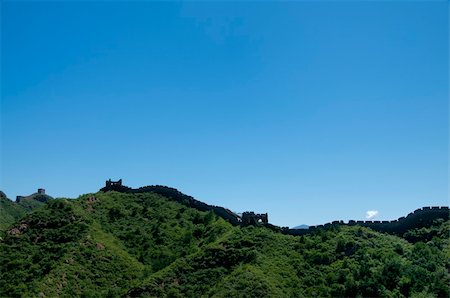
{"x": 422, "y": 217}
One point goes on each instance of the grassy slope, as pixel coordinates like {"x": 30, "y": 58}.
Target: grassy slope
{"x": 146, "y": 245}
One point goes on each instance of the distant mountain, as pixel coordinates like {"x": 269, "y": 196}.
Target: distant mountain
{"x": 301, "y": 227}
{"x": 125, "y": 244}
{"x": 11, "y": 211}
{"x": 33, "y": 201}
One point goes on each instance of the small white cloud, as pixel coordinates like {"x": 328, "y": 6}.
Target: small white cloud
{"x": 371, "y": 214}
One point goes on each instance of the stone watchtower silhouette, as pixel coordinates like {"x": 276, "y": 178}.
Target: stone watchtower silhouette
{"x": 250, "y": 218}
{"x": 110, "y": 183}
{"x": 113, "y": 185}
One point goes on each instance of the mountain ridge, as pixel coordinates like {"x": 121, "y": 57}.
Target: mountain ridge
{"x": 420, "y": 218}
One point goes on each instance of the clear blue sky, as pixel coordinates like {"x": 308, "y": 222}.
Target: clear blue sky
{"x": 310, "y": 111}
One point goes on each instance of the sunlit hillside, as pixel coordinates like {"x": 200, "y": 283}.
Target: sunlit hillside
{"x": 111, "y": 244}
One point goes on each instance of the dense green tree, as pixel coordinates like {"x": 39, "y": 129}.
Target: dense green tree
{"x": 143, "y": 244}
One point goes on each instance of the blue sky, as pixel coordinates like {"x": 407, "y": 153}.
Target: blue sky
{"x": 310, "y": 111}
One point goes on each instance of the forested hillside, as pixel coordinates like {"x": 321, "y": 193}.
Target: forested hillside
{"x": 112, "y": 244}
{"x": 9, "y": 211}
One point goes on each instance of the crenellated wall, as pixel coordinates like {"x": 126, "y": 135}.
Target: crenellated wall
{"x": 422, "y": 217}
{"x": 177, "y": 196}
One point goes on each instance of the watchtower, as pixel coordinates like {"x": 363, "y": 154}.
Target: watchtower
{"x": 113, "y": 185}
{"x": 41, "y": 191}
{"x": 250, "y": 218}
{"x": 110, "y": 183}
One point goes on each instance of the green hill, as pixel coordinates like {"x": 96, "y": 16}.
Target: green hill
{"x": 112, "y": 244}
{"x": 11, "y": 211}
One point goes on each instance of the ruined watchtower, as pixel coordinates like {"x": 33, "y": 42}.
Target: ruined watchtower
{"x": 112, "y": 184}
{"x": 250, "y": 218}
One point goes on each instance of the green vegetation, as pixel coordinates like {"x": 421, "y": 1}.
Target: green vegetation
{"x": 347, "y": 261}
{"x": 34, "y": 201}
{"x": 11, "y": 211}
{"x": 114, "y": 245}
